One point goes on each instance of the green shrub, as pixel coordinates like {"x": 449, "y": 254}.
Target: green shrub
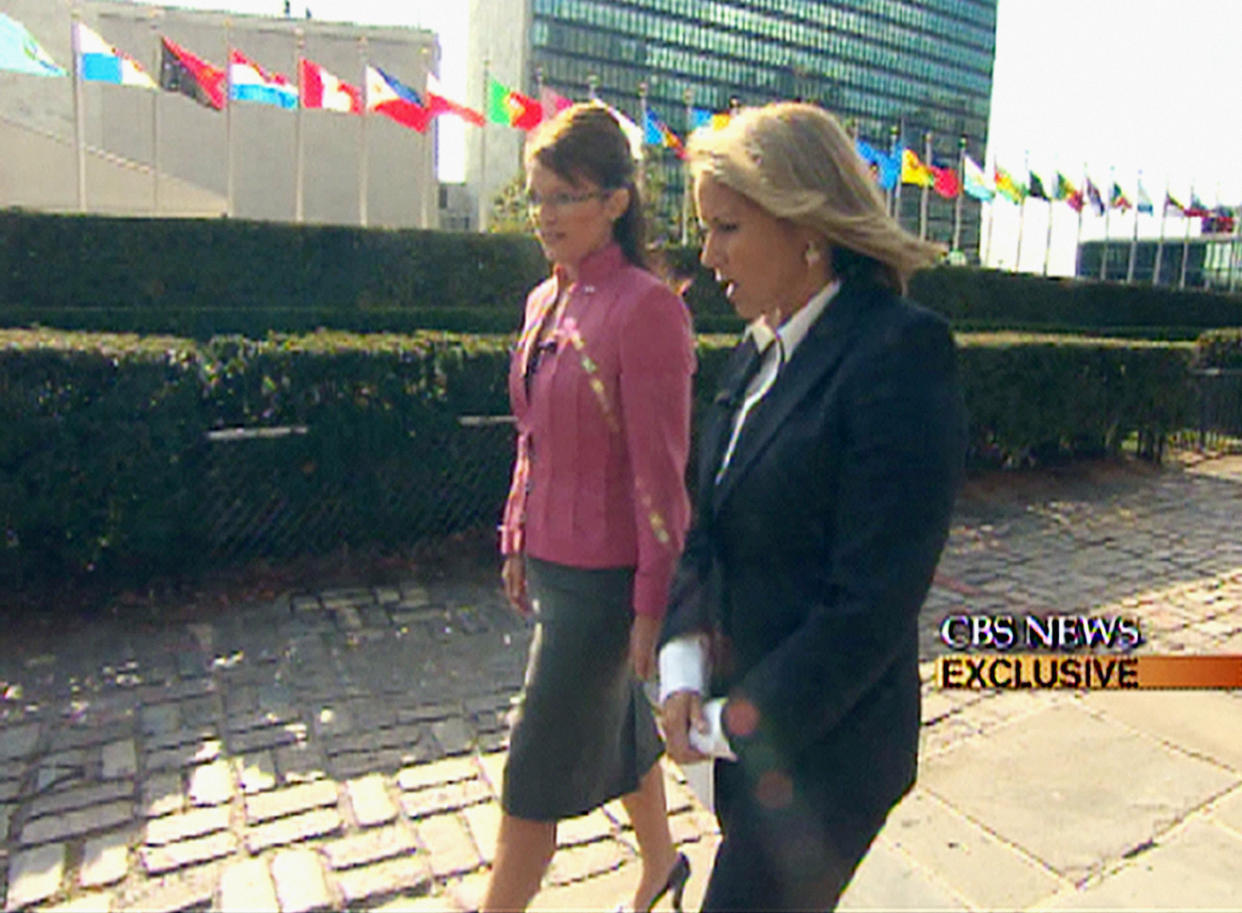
{"x": 1220, "y": 348}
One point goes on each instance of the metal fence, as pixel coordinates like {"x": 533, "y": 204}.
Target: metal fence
{"x": 266, "y": 493}
{"x": 1219, "y": 408}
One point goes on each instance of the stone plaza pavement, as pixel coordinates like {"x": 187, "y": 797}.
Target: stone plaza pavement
{"x": 341, "y": 749}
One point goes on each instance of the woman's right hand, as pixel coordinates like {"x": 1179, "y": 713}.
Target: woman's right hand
{"x": 681, "y": 711}
{"x": 513, "y": 573}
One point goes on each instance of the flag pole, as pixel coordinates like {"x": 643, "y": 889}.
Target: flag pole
{"x": 1082, "y": 204}
{"x": 991, "y": 213}
{"x": 688, "y": 97}
{"x": 961, "y": 192}
{"x": 79, "y": 106}
{"x": 1108, "y": 215}
{"x": 1181, "y": 281}
{"x": 1235, "y": 262}
{"x": 482, "y": 201}
{"x": 1164, "y": 210}
{"x": 901, "y": 156}
{"x": 299, "y": 210}
{"x": 228, "y": 115}
{"x": 927, "y": 157}
{"x": 1048, "y": 235}
{"x": 155, "y": 120}
{"x": 1134, "y": 234}
{"x": 1017, "y": 263}
{"x": 894, "y": 191}
{"x": 642, "y": 120}
{"x": 362, "y": 135}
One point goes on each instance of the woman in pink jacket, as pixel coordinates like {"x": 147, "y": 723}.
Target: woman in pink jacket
{"x": 596, "y": 517}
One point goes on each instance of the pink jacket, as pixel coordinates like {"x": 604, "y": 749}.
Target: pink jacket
{"x": 603, "y": 439}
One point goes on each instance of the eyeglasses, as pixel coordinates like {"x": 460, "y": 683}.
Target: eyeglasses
{"x": 536, "y": 203}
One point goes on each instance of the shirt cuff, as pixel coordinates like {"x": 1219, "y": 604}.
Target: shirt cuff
{"x": 713, "y": 743}
{"x": 683, "y": 665}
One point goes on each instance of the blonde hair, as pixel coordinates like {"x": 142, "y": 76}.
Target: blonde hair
{"x": 794, "y": 160}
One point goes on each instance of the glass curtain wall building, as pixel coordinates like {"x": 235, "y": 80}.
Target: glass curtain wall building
{"x": 890, "y": 69}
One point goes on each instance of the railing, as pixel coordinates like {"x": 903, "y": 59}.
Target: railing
{"x": 268, "y": 493}
{"x": 1219, "y": 404}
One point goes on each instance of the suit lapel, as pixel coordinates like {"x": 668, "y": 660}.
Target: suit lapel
{"x": 528, "y": 340}
{"x": 816, "y": 356}
{"x": 718, "y": 424}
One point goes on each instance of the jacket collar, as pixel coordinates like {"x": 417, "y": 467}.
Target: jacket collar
{"x": 826, "y": 342}
{"x": 595, "y": 266}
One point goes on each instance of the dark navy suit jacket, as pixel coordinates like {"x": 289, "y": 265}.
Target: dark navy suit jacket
{"x": 808, "y": 562}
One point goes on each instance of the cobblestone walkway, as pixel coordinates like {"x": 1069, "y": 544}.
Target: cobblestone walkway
{"x": 343, "y": 748}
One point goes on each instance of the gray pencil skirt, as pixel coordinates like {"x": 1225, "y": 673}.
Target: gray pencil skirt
{"x": 583, "y": 731}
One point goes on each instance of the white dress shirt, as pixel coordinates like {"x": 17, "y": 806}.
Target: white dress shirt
{"x": 683, "y": 660}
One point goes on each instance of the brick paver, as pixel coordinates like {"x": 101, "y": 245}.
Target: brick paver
{"x": 337, "y": 765}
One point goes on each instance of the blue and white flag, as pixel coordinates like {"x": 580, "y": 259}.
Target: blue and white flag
{"x": 250, "y": 82}
{"x": 101, "y": 62}
{"x": 20, "y": 53}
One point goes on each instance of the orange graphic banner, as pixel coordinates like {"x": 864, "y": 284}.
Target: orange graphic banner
{"x": 1085, "y": 671}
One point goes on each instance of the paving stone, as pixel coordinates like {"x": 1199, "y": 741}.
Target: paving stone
{"x": 434, "y": 799}
{"x": 211, "y": 784}
{"x": 1018, "y": 774}
{"x": 35, "y": 875}
{"x": 79, "y": 797}
{"x": 105, "y": 860}
{"x": 160, "y": 718}
{"x": 6, "y": 815}
{"x": 59, "y": 767}
{"x": 406, "y": 873}
{"x": 300, "y": 883}
{"x": 301, "y": 763}
{"x": 188, "y": 755}
{"x": 189, "y": 735}
{"x": 267, "y": 737}
{"x": 10, "y": 789}
{"x": 448, "y": 770}
{"x": 428, "y": 712}
{"x": 256, "y": 772}
{"x": 283, "y": 831}
{"x": 19, "y": 741}
{"x": 691, "y": 826}
{"x": 119, "y": 760}
{"x": 80, "y": 821}
{"x": 159, "y": 859}
{"x": 87, "y": 735}
{"x": 162, "y": 794}
{"x": 404, "y": 736}
{"x": 369, "y": 846}
{"x": 448, "y": 845}
{"x": 95, "y": 902}
{"x": 454, "y": 735}
{"x": 357, "y": 763}
{"x": 587, "y": 859}
{"x": 888, "y": 880}
{"x": 584, "y": 828}
{"x": 1194, "y": 868}
{"x": 290, "y": 799}
{"x": 1206, "y": 724}
{"x": 984, "y": 870}
{"x": 370, "y": 800}
{"x": 483, "y": 822}
{"x": 193, "y": 823}
{"x": 171, "y": 892}
{"x": 246, "y": 886}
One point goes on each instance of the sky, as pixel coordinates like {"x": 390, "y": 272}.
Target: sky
{"x": 1078, "y": 84}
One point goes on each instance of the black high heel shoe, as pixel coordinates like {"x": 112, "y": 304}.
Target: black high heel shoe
{"x": 676, "y": 883}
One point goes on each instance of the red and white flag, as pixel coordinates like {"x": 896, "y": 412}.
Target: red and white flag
{"x": 439, "y": 103}
{"x": 320, "y": 89}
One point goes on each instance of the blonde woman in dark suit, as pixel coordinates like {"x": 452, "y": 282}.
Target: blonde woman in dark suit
{"x": 829, "y": 466}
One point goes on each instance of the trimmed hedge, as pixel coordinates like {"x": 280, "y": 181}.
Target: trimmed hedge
{"x": 204, "y": 277}
{"x": 1219, "y": 348}
{"x": 104, "y": 469}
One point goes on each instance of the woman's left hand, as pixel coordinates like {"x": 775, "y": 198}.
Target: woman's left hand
{"x": 643, "y": 635}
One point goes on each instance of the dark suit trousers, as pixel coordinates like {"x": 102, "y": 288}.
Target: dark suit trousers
{"x": 775, "y": 852}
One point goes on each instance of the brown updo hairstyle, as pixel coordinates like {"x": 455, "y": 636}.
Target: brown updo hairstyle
{"x": 584, "y": 143}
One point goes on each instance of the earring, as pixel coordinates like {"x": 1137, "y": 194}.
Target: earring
{"x": 812, "y": 255}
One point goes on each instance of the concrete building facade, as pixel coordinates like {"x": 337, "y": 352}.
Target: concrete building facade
{"x": 887, "y": 68}
{"x": 161, "y": 153}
